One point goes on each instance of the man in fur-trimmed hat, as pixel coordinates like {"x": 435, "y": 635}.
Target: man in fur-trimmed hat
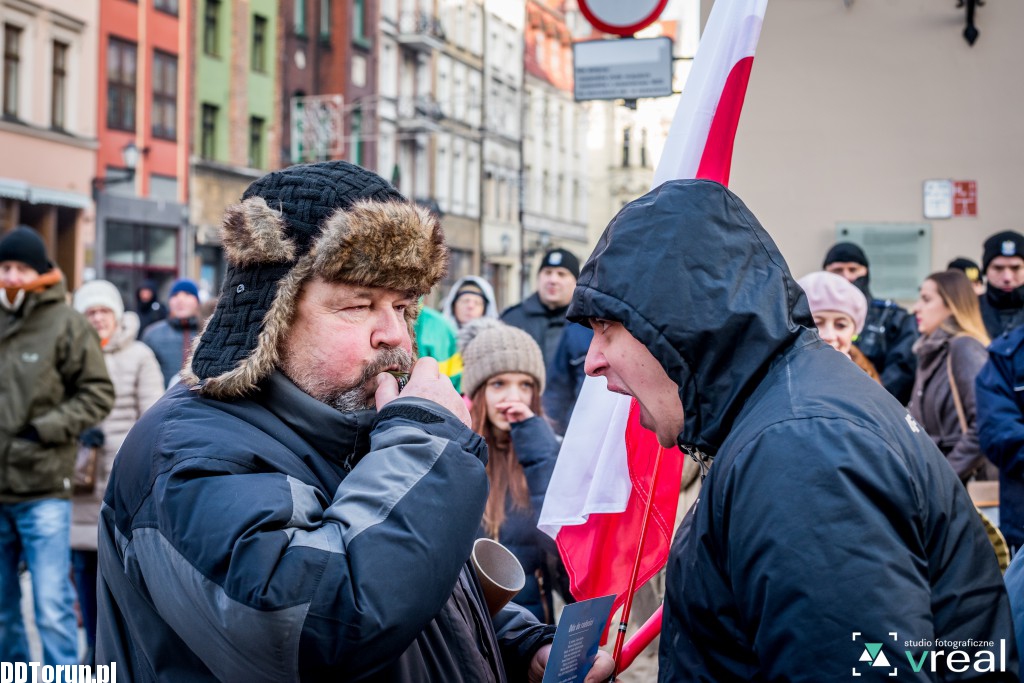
{"x": 287, "y": 512}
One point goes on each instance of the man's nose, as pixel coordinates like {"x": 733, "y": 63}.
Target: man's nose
{"x": 595, "y": 364}
{"x": 391, "y": 330}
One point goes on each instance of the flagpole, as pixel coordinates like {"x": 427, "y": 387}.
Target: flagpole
{"x": 642, "y": 638}
{"x": 624, "y": 619}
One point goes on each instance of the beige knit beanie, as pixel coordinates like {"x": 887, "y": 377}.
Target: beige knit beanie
{"x": 499, "y": 348}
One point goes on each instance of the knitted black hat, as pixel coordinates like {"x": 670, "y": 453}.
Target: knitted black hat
{"x": 23, "y": 244}
{"x": 845, "y": 252}
{"x": 332, "y": 220}
{"x": 1008, "y": 243}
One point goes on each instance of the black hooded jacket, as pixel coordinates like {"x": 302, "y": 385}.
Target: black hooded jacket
{"x": 149, "y": 311}
{"x": 828, "y": 518}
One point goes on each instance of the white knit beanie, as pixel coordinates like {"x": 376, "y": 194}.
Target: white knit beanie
{"x": 499, "y": 348}
{"x": 99, "y": 293}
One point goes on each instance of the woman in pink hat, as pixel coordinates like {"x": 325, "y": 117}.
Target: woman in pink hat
{"x": 839, "y": 311}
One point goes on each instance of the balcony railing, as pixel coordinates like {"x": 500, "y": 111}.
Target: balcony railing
{"x": 420, "y": 31}
{"x": 420, "y": 113}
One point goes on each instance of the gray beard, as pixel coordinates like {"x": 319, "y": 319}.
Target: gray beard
{"x": 351, "y": 398}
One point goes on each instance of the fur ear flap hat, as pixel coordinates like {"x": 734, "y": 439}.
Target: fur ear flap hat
{"x": 332, "y": 220}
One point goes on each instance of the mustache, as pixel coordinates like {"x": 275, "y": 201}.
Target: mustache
{"x": 361, "y": 396}
{"x": 396, "y": 358}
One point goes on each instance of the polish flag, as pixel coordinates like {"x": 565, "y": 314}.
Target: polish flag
{"x": 598, "y": 491}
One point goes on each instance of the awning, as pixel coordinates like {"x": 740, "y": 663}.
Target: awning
{"x": 13, "y": 189}
{"x": 43, "y": 195}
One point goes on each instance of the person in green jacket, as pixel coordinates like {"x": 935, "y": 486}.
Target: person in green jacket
{"x": 55, "y": 385}
{"x": 435, "y": 338}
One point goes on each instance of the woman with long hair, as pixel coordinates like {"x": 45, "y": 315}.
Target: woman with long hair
{"x": 503, "y": 374}
{"x": 950, "y": 354}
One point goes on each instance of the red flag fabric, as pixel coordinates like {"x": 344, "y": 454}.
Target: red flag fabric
{"x": 592, "y": 570}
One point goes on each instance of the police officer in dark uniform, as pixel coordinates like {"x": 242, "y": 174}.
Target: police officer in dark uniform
{"x": 1002, "y": 304}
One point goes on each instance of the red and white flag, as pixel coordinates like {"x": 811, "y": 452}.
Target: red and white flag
{"x": 598, "y": 491}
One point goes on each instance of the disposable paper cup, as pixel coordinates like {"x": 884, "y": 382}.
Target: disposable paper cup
{"x": 501, "y": 576}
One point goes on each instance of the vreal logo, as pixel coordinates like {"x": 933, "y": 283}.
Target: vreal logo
{"x": 939, "y": 656}
{"x": 874, "y": 655}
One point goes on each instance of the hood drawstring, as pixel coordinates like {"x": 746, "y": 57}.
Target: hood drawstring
{"x": 700, "y": 457}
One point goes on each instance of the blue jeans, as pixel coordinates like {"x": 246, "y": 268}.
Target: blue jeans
{"x": 39, "y": 531}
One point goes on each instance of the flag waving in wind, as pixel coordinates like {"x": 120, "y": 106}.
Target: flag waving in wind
{"x": 598, "y": 492}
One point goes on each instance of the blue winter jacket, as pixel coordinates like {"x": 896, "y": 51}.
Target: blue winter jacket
{"x": 566, "y": 374}
{"x": 828, "y": 519}
{"x": 171, "y": 340}
{"x": 275, "y": 539}
{"x": 999, "y": 392}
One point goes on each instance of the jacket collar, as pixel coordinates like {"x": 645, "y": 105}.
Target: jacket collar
{"x": 183, "y": 323}
{"x": 48, "y": 286}
{"x": 931, "y": 351}
{"x": 126, "y": 332}
{"x": 533, "y": 306}
{"x": 344, "y": 437}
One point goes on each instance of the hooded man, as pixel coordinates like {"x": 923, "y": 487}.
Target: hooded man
{"x": 264, "y": 522}
{"x": 890, "y": 331}
{"x": 148, "y": 307}
{"x": 54, "y": 385}
{"x": 1002, "y": 304}
{"x": 825, "y": 511}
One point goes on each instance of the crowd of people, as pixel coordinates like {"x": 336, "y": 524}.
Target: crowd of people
{"x": 290, "y": 486}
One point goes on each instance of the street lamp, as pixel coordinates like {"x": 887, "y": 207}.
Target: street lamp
{"x": 130, "y": 154}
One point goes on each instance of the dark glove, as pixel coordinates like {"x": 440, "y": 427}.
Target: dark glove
{"x": 92, "y": 437}
{"x": 29, "y": 433}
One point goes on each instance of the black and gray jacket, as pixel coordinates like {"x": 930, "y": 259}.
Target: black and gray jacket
{"x": 828, "y": 517}
{"x": 275, "y": 539}
{"x": 171, "y": 340}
